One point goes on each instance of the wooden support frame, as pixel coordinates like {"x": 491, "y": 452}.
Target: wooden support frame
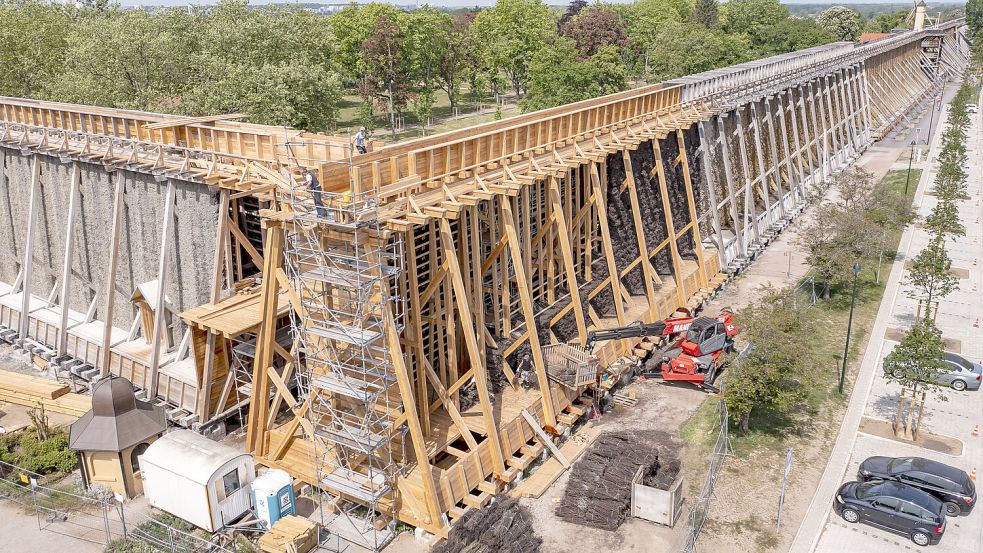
{"x": 66, "y": 270}
{"x": 643, "y": 251}
{"x": 602, "y": 217}
{"x": 158, "y": 331}
{"x": 471, "y": 341}
{"x": 670, "y": 226}
{"x": 110, "y": 295}
{"x": 569, "y": 271}
{"x": 27, "y": 271}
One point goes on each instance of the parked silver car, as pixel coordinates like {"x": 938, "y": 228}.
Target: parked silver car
{"x": 963, "y": 374}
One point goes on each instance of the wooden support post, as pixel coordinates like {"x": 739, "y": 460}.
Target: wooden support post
{"x": 412, "y": 419}
{"x": 28, "y": 263}
{"x": 568, "y": 267}
{"x": 731, "y": 191}
{"x": 471, "y": 340}
{"x": 600, "y": 202}
{"x": 750, "y": 207}
{"x": 158, "y": 331}
{"x": 705, "y": 146}
{"x": 673, "y": 246}
{"x": 66, "y": 268}
{"x": 762, "y": 171}
{"x": 525, "y": 301}
{"x": 259, "y": 406}
{"x": 773, "y": 152}
{"x": 643, "y": 251}
{"x": 690, "y": 200}
{"x": 415, "y": 320}
{"x": 110, "y": 299}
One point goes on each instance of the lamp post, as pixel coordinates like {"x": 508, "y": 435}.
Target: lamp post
{"x": 910, "y": 157}
{"x": 853, "y": 302}
{"x": 931, "y": 121}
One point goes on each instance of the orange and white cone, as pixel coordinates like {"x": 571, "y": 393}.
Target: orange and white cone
{"x": 972, "y": 474}
{"x": 976, "y": 430}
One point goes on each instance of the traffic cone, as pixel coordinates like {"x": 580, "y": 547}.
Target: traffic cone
{"x": 976, "y": 430}
{"x": 972, "y": 475}
{"x": 977, "y": 323}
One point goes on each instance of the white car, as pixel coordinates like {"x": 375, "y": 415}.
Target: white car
{"x": 972, "y": 108}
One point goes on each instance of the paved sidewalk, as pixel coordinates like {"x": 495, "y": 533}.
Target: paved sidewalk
{"x": 875, "y": 398}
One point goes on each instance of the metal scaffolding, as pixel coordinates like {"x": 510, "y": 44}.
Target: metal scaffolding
{"x": 343, "y": 266}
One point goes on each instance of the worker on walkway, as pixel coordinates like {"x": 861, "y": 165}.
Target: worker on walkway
{"x": 314, "y": 187}
{"x": 359, "y": 140}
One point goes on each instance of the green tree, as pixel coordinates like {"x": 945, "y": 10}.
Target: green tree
{"x": 511, "y": 33}
{"x": 789, "y": 35}
{"x": 918, "y": 360}
{"x": 778, "y": 368}
{"x": 930, "y": 276}
{"x": 428, "y": 34}
{"x": 645, "y": 19}
{"x": 707, "y": 13}
{"x": 974, "y": 16}
{"x": 747, "y": 16}
{"x": 686, "y": 48}
{"x": 33, "y": 41}
{"x": 943, "y": 221}
{"x": 886, "y": 22}
{"x": 384, "y": 59}
{"x": 843, "y": 23}
{"x": 557, "y": 76}
{"x": 594, "y": 28}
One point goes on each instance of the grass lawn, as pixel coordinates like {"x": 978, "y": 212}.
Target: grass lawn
{"x": 468, "y": 115}
{"x": 812, "y": 429}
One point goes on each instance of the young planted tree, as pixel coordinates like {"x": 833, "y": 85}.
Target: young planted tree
{"x": 777, "y": 370}
{"x": 943, "y": 221}
{"x": 929, "y": 275}
{"x": 918, "y": 360}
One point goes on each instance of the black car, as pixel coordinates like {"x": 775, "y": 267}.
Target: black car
{"x": 949, "y": 484}
{"x": 893, "y": 506}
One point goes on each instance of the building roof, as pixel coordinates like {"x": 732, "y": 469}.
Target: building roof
{"x": 190, "y": 455}
{"x": 117, "y": 419}
{"x": 871, "y": 37}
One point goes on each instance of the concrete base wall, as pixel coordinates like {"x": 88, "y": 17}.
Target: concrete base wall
{"x": 191, "y": 245}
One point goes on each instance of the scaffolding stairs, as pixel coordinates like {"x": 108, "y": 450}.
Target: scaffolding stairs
{"x": 342, "y": 265}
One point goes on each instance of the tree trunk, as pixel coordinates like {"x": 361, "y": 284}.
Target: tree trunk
{"x": 392, "y": 110}
{"x": 826, "y": 291}
{"x": 745, "y": 420}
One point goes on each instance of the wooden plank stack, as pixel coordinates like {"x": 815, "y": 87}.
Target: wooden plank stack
{"x": 32, "y": 391}
{"x": 290, "y": 534}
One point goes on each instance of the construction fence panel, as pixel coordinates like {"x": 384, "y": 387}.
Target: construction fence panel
{"x": 701, "y": 507}
{"x": 64, "y": 508}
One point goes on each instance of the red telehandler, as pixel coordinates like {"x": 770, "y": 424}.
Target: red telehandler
{"x": 693, "y": 345}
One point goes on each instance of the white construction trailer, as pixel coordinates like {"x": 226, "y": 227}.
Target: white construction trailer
{"x": 197, "y": 479}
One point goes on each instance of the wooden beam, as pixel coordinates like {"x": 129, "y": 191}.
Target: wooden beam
{"x": 636, "y": 213}
{"x": 110, "y": 298}
{"x": 66, "y": 269}
{"x": 471, "y": 341}
{"x": 602, "y": 223}
{"x": 159, "y": 330}
{"x": 673, "y": 247}
{"x": 525, "y": 301}
{"x": 416, "y": 319}
{"x": 259, "y": 406}
{"x": 687, "y": 180}
{"x": 452, "y": 409}
{"x": 28, "y": 262}
{"x": 567, "y": 254}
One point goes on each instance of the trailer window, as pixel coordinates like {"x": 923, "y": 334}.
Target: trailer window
{"x": 230, "y": 485}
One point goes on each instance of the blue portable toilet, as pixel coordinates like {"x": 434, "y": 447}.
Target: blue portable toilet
{"x": 273, "y": 496}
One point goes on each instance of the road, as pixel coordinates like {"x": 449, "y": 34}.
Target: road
{"x": 876, "y": 400}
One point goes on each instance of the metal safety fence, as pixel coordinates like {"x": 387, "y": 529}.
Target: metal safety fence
{"x": 701, "y": 507}
{"x": 66, "y": 508}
